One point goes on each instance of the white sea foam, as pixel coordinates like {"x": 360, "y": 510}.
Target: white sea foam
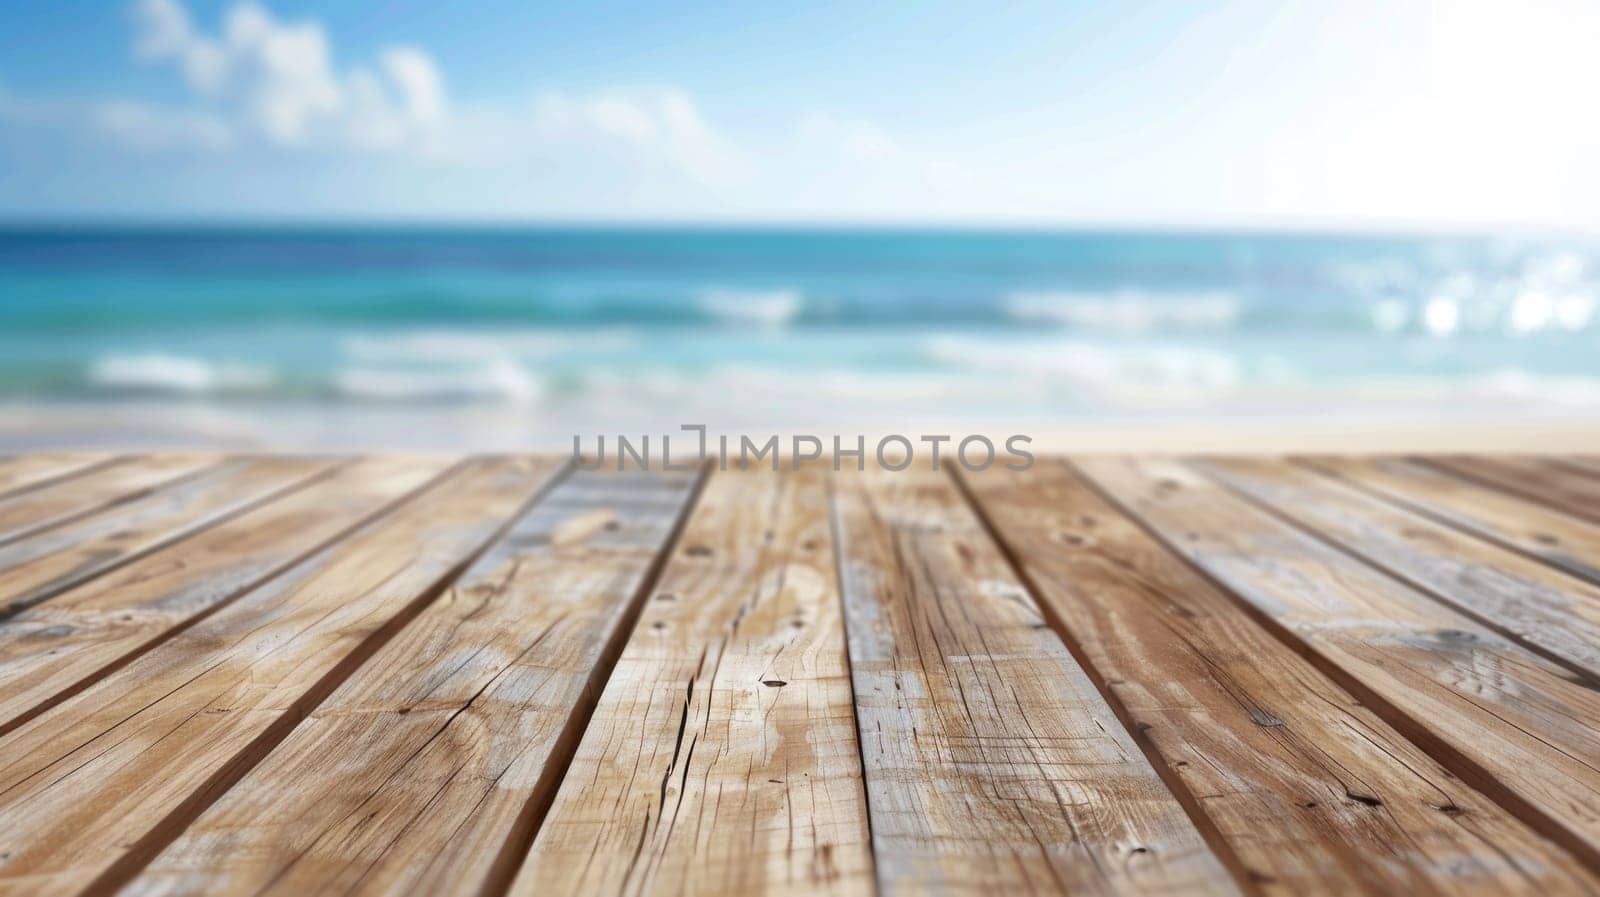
{"x": 1488, "y": 392}
{"x": 1145, "y": 372}
{"x": 1126, "y": 311}
{"x": 475, "y": 345}
{"x": 824, "y": 389}
{"x": 764, "y": 308}
{"x": 1513, "y": 384}
{"x": 499, "y": 380}
{"x": 819, "y": 398}
{"x": 157, "y": 372}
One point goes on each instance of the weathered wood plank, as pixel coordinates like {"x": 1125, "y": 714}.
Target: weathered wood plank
{"x": 1312, "y": 792}
{"x": 56, "y": 647}
{"x": 418, "y": 773}
{"x": 1509, "y": 520}
{"x": 93, "y": 788}
{"x": 37, "y": 568}
{"x": 993, "y": 764}
{"x": 1508, "y": 721}
{"x": 1544, "y": 609}
{"x": 39, "y": 509}
{"x": 1537, "y": 478}
{"x": 1586, "y": 464}
{"x": 24, "y": 472}
{"x": 722, "y": 757}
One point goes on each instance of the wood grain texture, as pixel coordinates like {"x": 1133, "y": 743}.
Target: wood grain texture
{"x": 1586, "y": 464}
{"x": 1544, "y": 609}
{"x": 1312, "y": 792}
{"x": 39, "y": 567}
{"x": 419, "y": 772}
{"x": 57, "y": 646}
{"x": 96, "y": 786}
{"x": 993, "y": 764}
{"x": 1540, "y": 479}
{"x": 722, "y": 758}
{"x": 63, "y": 500}
{"x": 1508, "y": 721}
{"x": 499, "y": 676}
{"x": 24, "y": 472}
{"x": 1520, "y": 524}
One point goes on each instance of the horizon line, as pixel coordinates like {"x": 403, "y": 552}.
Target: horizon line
{"x": 1223, "y": 227}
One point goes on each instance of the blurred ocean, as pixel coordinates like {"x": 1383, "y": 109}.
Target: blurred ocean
{"x": 777, "y": 327}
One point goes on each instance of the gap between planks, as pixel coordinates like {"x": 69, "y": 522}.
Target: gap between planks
{"x": 24, "y": 473}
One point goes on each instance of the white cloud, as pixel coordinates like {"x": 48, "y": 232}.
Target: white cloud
{"x": 868, "y": 164}
{"x": 259, "y": 84}
{"x": 165, "y": 32}
{"x": 859, "y": 140}
{"x": 134, "y": 124}
{"x": 155, "y": 128}
{"x": 420, "y": 85}
{"x": 659, "y": 124}
{"x": 278, "y": 80}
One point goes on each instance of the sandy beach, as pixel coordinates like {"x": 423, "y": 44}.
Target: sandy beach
{"x": 289, "y": 427}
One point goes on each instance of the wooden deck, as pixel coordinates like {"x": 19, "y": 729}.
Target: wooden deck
{"x": 492, "y": 676}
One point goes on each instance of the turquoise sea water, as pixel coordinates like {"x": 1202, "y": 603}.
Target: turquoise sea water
{"x": 872, "y": 321}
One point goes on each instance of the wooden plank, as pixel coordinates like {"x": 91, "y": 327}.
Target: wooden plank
{"x": 1586, "y": 464}
{"x": 19, "y": 473}
{"x": 1544, "y": 609}
{"x": 418, "y": 773}
{"x": 1511, "y": 521}
{"x": 993, "y": 764}
{"x": 1312, "y": 792}
{"x": 56, "y": 647}
{"x": 722, "y": 757}
{"x": 37, "y": 568}
{"x": 1535, "y": 478}
{"x": 93, "y": 788}
{"x": 1508, "y": 721}
{"x": 40, "y": 509}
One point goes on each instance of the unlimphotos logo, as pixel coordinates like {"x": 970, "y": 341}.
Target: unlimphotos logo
{"x": 895, "y": 451}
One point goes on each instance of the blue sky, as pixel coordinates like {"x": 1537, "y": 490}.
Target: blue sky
{"x": 1380, "y": 113}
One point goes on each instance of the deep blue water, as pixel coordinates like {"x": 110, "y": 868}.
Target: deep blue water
{"x": 1082, "y": 321}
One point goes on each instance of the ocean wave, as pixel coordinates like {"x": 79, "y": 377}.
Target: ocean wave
{"x": 500, "y": 380}
{"x": 473, "y": 345}
{"x": 1130, "y": 372}
{"x": 157, "y": 372}
{"x": 1126, "y": 311}
{"x": 764, "y": 308}
{"x": 1521, "y": 386}
{"x": 1506, "y": 386}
